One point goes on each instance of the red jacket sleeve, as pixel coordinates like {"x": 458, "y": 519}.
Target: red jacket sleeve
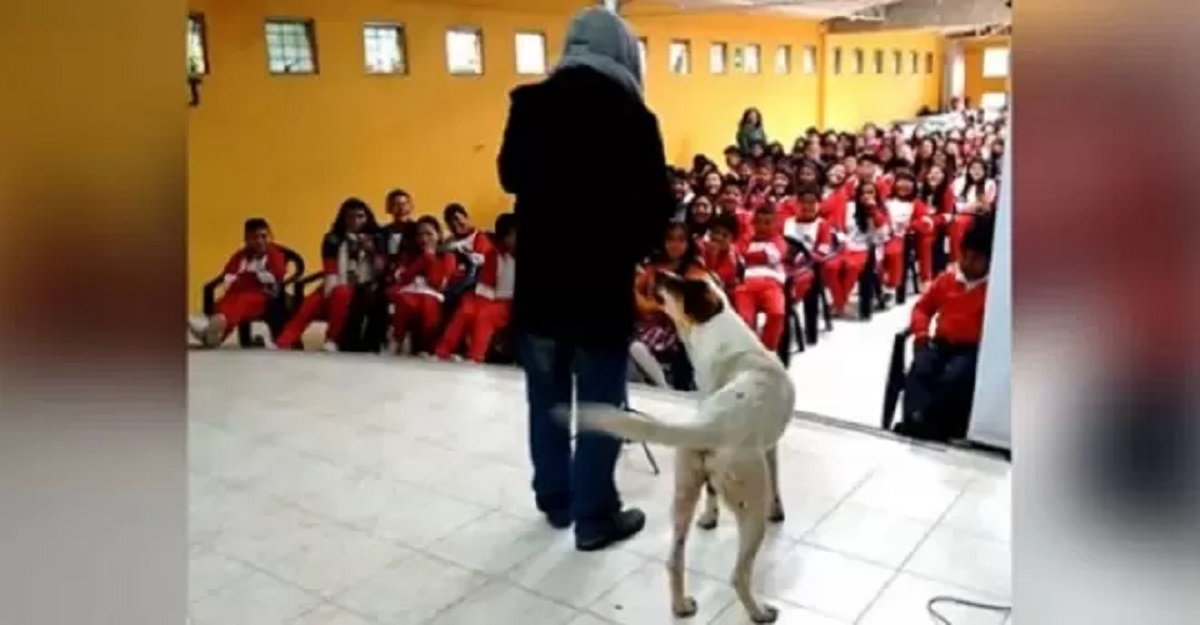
{"x": 927, "y": 306}
{"x": 233, "y": 264}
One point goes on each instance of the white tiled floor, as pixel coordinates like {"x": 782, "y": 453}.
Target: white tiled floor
{"x": 331, "y": 489}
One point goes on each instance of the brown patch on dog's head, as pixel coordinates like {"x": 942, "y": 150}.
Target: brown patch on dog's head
{"x": 687, "y": 300}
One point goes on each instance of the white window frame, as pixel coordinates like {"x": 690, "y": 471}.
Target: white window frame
{"x": 536, "y": 64}
{"x": 988, "y": 101}
{"x": 375, "y": 60}
{"x": 282, "y": 41}
{"x": 877, "y": 61}
{"x": 858, "y": 62}
{"x": 679, "y": 50}
{"x": 783, "y": 59}
{"x": 996, "y": 60}
{"x": 197, "y": 45}
{"x": 897, "y": 62}
{"x": 718, "y": 57}
{"x": 837, "y": 60}
{"x": 458, "y": 36}
{"x": 751, "y": 58}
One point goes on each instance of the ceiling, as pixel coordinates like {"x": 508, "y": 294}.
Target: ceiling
{"x": 817, "y": 9}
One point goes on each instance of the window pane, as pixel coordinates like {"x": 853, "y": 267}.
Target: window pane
{"x": 994, "y": 101}
{"x": 643, "y": 46}
{"x": 915, "y": 61}
{"x": 464, "y": 51}
{"x": 383, "y": 45}
{"x": 751, "y": 59}
{"x": 859, "y": 60}
{"x": 837, "y": 60}
{"x": 680, "y": 57}
{"x": 897, "y": 62}
{"x": 716, "y": 58}
{"x": 197, "y": 55}
{"x": 290, "y": 47}
{"x": 878, "y": 58}
{"x": 783, "y": 60}
{"x": 531, "y": 53}
{"x": 995, "y": 62}
{"x": 928, "y": 62}
{"x": 809, "y": 62}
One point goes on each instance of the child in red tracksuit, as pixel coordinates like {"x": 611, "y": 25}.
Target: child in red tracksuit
{"x": 761, "y": 290}
{"x": 865, "y": 224}
{"x": 251, "y": 277}
{"x": 418, "y": 281}
{"x": 721, "y": 257}
{"x": 906, "y": 214}
{"x": 814, "y": 236}
{"x": 352, "y": 255}
{"x": 485, "y": 311}
{"x": 941, "y": 384}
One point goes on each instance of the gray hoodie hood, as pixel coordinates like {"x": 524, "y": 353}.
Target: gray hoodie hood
{"x": 601, "y": 40}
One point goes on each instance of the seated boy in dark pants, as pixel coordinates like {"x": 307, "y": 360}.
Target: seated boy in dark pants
{"x": 941, "y": 384}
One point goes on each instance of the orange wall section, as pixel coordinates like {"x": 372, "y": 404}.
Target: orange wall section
{"x": 699, "y": 111}
{"x": 854, "y": 99}
{"x": 975, "y": 84}
{"x": 291, "y": 148}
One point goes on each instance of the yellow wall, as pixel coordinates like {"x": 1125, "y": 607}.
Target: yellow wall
{"x": 290, "y": 148}
{"x": 699, "y": 112}
{"x": 975, "y": 85}
{"x": 853, "y": 99}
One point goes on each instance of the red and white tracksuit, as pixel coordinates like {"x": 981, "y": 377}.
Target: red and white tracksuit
{"x": 726, "y": 266}
{"x": 416, "y": 294}
{"x": 905, "y": 216}
{"x": 250, "y": 281}
{"x": 762, "y": 287}
{"x": 964, "y": 212}
{"x": 833, "y": 204}
{"x": 485, "y": 311}
{"x": 841, "y": 272}
{"x": 474, "y": 247}
{"x": 817, "y": 237}
{"x": 346, "y": 265}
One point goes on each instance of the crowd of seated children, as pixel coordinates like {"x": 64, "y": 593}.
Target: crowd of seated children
{"x": 941, "y": 383}
{"x": 252, "y": 276}
{"x": 656, "y": 342}
{"x": 484, "y": 311}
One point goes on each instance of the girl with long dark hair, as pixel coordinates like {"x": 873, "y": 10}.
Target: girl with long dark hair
{"x": 750, "y": 130}
{"x": 866, "y": 220}
{"x": 974, "y": 194}
{"x": 656, "y": 342}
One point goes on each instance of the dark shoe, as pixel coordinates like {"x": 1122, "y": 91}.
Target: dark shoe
{"x": 624, "y": 525}
{"x": 559, "y": 519}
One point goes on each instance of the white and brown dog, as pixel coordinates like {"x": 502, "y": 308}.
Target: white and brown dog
{"x": 746, "y": 402}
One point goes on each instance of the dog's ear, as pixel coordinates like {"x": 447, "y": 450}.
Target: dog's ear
{"x": 700, "y": 303}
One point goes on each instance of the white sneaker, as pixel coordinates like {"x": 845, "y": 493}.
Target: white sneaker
{"x": 268, "y": 343}
{"x": 329, "y": 346}
{"x": 198, "y": 326}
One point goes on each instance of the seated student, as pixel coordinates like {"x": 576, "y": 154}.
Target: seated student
{"x": 865, "y": 224}
{"x": 710, "y": 185}
{"x": 682, "y": 190}
{"x": 721, "y": 257}
{"x": 834, "y": 196}
{"x": 699, "y": 217}
{"x": 974, "y": 194}
{"x": 906, "y": 213}
{"x": 814, "y": 234}
{"x": 466, "y": 242}
{"x": 941, "y": 384}
{"x": 656, "y": 341}
{"x": 761, "y": 290}
{"x": 417, "y": 292}
{"x": 485, "y": 311}
{"x": 733, "y": 158}
{"x": 351, "y": 257}
{"x": 252, "y": 277}
{"x": 399, "y": 206}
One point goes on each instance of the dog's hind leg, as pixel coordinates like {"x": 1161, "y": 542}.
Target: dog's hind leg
{"x": 689, "y": 483}
{"x": 776, "y": 515}
{"x": 749, "y": 500}
{"x": 708, "y": 518}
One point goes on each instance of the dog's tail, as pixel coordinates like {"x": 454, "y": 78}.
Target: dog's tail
{"x": 639, "y": 427}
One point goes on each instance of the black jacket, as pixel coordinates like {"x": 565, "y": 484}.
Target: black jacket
{"x": 584, "y": 159}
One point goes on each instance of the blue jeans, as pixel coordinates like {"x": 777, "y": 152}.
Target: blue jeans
{"x": 582, "y": 483}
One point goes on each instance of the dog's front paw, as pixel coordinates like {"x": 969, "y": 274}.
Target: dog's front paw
{"x": 776, "y": 515}
{"x": 767, "y": 614}
{"x": 685, "y": 608}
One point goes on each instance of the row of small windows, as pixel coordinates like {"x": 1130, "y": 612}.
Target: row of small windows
{"x": 291, "y": 49}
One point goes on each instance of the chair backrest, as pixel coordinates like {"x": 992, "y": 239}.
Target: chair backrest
{"x": 295, "y": 262}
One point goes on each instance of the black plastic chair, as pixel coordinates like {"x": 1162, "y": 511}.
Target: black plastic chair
{"x": 290, "y": 292}
{"x": 896, "y": 374}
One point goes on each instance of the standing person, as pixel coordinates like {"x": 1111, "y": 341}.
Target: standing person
{"x": 574, "y": 328}
{"x": 750, "y": 131}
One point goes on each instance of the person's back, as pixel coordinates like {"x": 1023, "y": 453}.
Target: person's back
{"x": 584, "y": 159}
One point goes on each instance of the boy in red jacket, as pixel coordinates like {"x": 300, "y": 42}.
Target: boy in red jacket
{"x": 252, "y": 277}
{"x": 762, "y": 286}
{"x": 941, "y": 384}
{"x": 486, "y": 310}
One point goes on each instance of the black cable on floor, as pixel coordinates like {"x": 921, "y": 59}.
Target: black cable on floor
{"x": 942, "y": 620}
